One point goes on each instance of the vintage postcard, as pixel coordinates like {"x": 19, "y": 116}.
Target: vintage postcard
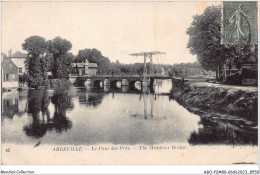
{"x": 129, "y": 83}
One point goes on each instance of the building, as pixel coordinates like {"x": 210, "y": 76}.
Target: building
{"x": 10, "y": 76}
{"x": 92, "y": 69}
{"x": 18, "y": 59}
{"x": 79, "y": 68}
{"x": 84, "y": 68}
{"x": 249, "y": 74}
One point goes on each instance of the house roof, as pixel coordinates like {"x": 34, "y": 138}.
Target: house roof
{"x": 78, "y": 64}
{"x": 9, "y": 67}
{"x": 19, "y": 55}
{"x": 93, "y": 65}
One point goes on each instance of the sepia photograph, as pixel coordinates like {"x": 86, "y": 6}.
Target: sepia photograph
{"x": 129, "y": 83}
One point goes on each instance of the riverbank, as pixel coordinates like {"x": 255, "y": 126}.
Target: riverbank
{"x": 220, "y": 102}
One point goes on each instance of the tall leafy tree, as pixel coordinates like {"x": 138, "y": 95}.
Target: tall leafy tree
{"x": 205, "y": 38}
{"x": 60, "y": 58}
{"x": 205, "y": 42}
{"x": 36, "y": 62}
{"x": 94, "y": 56}
{"x": 245, "y": 54}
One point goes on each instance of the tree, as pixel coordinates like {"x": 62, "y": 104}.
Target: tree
{"x": 94, "y": 56}
{"x": 35, "y": 45}
{"x": 245, "y": 54}
{"x": 60, "y": 58}
{"x": 23, "y": 78}
{"x": 205, "y": 42}
{"x": 205, "y": 38}
{"x": 36, "y": 62}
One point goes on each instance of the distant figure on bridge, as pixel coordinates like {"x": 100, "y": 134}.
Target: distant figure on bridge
{"x": 113, "y": 73}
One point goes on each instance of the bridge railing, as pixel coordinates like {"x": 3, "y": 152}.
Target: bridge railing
{"x": 130, "y": 76}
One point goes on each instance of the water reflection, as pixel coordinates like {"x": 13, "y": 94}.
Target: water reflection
{"x": 13, "y": 103}
{"x": 62, "y": 102}
{"x": 112, "y": 115}
{"x": 38, "y": 108}
{"x": 9, "y": 107}
{"x": 153, "y": 108}
{"x": 37, "y": 103}
{"x": 220, "y": 131}
{"x": 90, "y": 99}
{"x": 125, "y": 89}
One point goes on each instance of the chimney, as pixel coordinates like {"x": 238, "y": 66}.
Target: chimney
{"x": 10, "y": 52}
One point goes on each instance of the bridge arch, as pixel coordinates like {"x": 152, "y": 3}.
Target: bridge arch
{"x": 135, "y": 84}
{"x": 114, "y": 83}
{"x": 96, "y": 83}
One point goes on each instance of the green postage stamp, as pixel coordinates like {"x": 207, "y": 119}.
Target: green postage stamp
{"x": 239, "y": 22}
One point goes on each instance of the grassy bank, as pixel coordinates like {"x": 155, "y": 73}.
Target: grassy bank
{"x": 221, "y": 102}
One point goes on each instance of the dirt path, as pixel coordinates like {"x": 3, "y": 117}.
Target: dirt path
{"x": 229, "y": 87}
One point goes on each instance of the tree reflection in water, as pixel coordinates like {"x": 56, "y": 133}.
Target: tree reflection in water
{"x": 219, "y": 131}
{"x": 38, "y": 103}
{"x": 90, "y": 99}
{"x": 61, "y": 102}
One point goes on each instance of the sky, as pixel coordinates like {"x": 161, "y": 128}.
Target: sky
{"x": 117, "y": 29}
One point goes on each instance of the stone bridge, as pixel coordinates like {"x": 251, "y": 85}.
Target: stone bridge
{"x": 107, "y": 80}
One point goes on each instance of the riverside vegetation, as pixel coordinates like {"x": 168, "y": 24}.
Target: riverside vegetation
{"x": 216, "y": 101}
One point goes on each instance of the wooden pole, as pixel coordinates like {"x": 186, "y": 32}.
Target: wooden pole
{"x": 151, "y": 60}
{"x": 145, "y": 69}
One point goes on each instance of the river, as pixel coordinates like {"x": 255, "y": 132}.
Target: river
{"x": 119, "y": 115}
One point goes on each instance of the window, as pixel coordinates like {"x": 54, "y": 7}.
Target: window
{"x": 9, "y": 77}
{"x": 6, "y": 77}
{"x": 20, "y": 70}
{"x": 12, "y": 77}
